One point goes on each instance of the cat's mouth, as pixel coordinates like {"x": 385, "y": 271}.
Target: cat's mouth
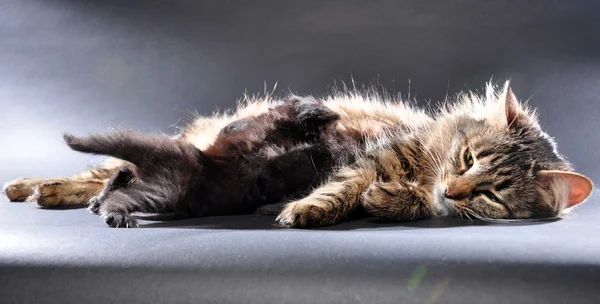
{"x": 443, "y": 205}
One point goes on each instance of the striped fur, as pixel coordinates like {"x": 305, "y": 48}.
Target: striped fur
{"x": 407, "y": 162}
{"x": 420, "y": 171}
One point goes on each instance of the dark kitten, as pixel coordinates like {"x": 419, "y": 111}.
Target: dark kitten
{"x": 254, "y": 161}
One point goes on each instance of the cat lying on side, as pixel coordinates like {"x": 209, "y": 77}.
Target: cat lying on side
{"x": 320, "y": 162}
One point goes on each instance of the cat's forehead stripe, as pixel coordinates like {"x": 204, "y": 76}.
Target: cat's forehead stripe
{"x": 497, "y": 159}
{"x": 503, "y": 184}
{"x": 484, "y": 153}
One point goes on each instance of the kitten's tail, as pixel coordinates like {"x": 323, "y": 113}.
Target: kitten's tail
{"x": 135, "y": 147}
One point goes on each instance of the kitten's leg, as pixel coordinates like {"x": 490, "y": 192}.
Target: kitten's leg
{"x": 115, "y": 202}
{"x": 163, "y": 175}
{"x": 397, "y": 201}
{"x": 332, "y": 202}
{"x": 135, "y": 189}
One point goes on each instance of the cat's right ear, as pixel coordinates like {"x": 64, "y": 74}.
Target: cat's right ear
{"x": 514, "y": 115}
{"x": 579, "y": 188}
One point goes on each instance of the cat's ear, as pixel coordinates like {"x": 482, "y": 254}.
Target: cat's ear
{"x": 579, "y": 186}
{"x": 514, "y": 116}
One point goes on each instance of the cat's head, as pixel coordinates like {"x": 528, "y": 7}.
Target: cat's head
{"x": 497, "y": 163}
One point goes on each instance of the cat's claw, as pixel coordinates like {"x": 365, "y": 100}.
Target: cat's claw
{"x": 94, "y": 205}
{"x": 285, "y": 220}
{"x": 120, "y": 220}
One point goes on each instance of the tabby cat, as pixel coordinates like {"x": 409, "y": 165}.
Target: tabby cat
{"x": 320, "y": 162}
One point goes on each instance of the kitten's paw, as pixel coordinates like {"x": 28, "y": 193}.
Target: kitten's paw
{"x": 310, "y": 109}
{"x": 20, "y": 189}
{"x": 307, "y": 213}
{"x": 120, "y": 220}
{"x": 94, "y": 204}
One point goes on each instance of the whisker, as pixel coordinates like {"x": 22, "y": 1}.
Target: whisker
{"x": 467, "y": 215}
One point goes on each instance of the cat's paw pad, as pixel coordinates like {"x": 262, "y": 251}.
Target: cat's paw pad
{"x": 120, "y": 220}
{"x": 19, "y": 190}
{"x": 306, "y": 214}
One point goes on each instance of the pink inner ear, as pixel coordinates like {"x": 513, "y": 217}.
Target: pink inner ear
{"x": 581, "y": 188}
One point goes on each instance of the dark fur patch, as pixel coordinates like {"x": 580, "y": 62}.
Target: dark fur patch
{"x": 254, "y": 161}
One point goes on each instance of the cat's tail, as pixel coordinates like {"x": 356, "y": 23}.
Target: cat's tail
{"x": 132, "y": 146}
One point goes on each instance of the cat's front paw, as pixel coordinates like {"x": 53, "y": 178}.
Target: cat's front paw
{"x": 384, "y": 199}
{"x": 383, "y": 193}
{"x": 395, "y": 201}
{"x": 120, "y": 220}
{"x": 306, "y": 213}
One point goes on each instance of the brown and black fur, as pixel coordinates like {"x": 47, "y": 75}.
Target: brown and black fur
{"x": 253, "y": 162}
{"x": 350, "y": 153}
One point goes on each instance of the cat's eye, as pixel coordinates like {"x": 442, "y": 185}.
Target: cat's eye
{"x": 468, "y": 158}
{"x": 490, "y": 195}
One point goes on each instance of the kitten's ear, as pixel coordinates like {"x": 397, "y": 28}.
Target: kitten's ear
{"x": 580, "y": 186}
{"x": 513, "y": 114}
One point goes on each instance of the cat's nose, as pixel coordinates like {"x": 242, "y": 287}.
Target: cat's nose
{"x": 454, "y": 193}
{"x": 459, "y": 188}
{"x": 449, "y": 193}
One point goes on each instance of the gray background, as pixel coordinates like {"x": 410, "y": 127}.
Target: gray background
{"x": 80, "y": 66}
{"x": 83, "y": 66}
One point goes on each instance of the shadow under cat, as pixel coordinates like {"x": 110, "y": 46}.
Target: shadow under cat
{"x": 263, "y": 222}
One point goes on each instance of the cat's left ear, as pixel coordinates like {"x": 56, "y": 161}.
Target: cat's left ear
{"x": 514, "y": 116}
{"x": 580, "y": 186}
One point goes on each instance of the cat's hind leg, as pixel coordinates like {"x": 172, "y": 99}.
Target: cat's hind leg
{"x": 61, "y": 191}
{"x": 20, "y": 189}
{"x": 67, "y": 192}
